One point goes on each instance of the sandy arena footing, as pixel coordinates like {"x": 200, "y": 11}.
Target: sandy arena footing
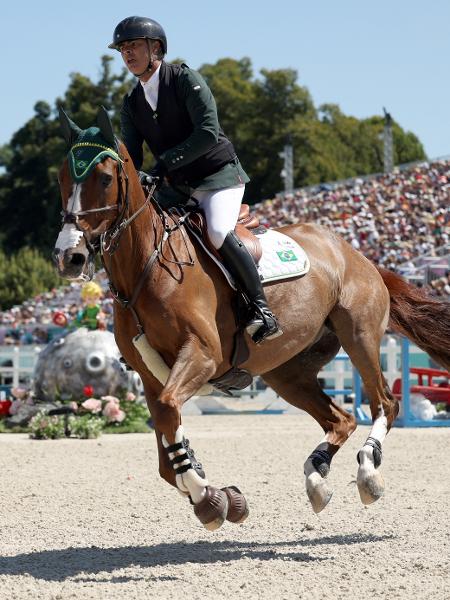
{"x": 92, "y": 519}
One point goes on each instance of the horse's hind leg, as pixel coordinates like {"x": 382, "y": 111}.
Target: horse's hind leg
{"x": 360, "y": 329}
{"x": 296, "y": 382}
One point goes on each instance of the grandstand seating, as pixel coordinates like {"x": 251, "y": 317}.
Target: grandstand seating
{"x": 394, "y": 219}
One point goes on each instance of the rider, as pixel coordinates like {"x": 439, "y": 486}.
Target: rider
{"x": 172, "y": 109}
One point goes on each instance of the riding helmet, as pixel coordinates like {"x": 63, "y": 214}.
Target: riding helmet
{"x": 133, "y": 28}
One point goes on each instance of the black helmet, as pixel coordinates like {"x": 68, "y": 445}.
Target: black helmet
{"x": 133, "y": 28}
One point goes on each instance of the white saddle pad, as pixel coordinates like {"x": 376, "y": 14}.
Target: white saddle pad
{"x": 282, "y": 257}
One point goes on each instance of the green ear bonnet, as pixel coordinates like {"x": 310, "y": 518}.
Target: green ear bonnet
{"x": 89, "y": 149}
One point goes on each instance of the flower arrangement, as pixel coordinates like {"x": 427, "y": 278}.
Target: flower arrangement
{"x": 18, "y": 400}
{"x": 20, "y": 397}
{"x": 45, "y": 427}
{"x": 85, "y": 417}
{"x": 85, "y": 427}
{"x": 108, "y": 414}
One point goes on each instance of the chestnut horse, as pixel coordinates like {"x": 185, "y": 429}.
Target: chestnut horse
{"x": 171, "y": 290}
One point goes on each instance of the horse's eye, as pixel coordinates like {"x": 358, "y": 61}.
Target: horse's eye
{"x": 105, "y": 179}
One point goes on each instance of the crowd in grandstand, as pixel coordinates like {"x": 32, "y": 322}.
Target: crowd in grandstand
{"x": 441, "y": 285}
{"x": 392, "y": 219}
{"x": 38, "y": 320}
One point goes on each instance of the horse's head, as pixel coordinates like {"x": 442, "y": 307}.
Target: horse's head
{"x": 94, "y": 190}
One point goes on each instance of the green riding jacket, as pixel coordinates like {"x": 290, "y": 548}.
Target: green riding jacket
{"x": 183, "y": 131}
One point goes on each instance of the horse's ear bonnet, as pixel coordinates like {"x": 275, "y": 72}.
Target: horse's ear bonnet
{"x": 71, "y": 132}
{"x": 105, "y": 126}
{"x": 90, "y": 146}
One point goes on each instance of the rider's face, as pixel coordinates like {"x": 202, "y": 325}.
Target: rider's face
{"x": 136, "y": 55}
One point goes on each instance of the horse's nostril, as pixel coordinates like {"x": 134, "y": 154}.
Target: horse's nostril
{"x": 77, "y": 259}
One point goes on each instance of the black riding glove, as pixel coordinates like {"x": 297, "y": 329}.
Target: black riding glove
{"x": 158, "y": 173}
{"x": 144, "y": 178}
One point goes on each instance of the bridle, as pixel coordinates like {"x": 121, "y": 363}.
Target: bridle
{"x": 113, "y": 232}
{"x": 108, "y": 241}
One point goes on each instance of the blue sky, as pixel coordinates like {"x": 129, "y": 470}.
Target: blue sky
{"x": 361, "y": 55}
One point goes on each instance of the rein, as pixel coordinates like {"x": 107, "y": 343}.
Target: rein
{"x": 158, "y": 252}
{"x": 108, "y": 241}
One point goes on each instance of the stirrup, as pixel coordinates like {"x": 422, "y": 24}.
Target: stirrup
{"x": 263, "y": 326}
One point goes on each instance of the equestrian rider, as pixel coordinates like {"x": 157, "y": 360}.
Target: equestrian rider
{"x": 172, "y": 109}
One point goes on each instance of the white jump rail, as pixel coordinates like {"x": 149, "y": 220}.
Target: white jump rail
{"x": 17, "y": 363}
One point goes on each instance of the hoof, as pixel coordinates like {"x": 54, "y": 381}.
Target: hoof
{"x": 317, "y": 488}
{"x": 237, "y": 505}
{"x": 370, "y": 486}
{"x": 212, "y": 510}
{"x": 318, "y": 491}
{"x": 369, "y": 480}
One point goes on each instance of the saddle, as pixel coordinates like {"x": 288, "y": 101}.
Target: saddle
{"x": 246, "y": 228}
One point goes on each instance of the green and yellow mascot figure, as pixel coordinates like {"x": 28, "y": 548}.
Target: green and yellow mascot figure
{"x": 91, "y": 316}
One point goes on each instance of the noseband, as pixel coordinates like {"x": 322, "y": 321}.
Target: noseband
{"x": 122, "y": 205}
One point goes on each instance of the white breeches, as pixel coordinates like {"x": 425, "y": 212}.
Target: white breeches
{"x": 221, "y": 208}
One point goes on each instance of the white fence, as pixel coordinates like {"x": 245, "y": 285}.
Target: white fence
{"x": 340, "y": 370}
{"x": 17, "y": 365}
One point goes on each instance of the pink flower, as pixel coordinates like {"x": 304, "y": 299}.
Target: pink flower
{"x": 73, "y": 406}
{"x": 15, "y": 406}
{"x": 19, "y": 393}
{"x": 92, "y": 404}
{"x": 110, "y": 399}
{"x": 130, "y": 397}
{"x": 113, "y": 413}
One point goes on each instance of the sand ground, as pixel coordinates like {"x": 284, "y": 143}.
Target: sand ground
{"x": 92, "y": 519}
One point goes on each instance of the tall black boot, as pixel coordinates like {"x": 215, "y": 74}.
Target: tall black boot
{"x": 262, "y": 324}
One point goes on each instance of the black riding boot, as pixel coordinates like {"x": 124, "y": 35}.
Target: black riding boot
{"x": 263, "y": 324}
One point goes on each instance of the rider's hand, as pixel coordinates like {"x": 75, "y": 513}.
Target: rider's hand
{"x": 158, "y": 172}
{"x": 144, "y": 178}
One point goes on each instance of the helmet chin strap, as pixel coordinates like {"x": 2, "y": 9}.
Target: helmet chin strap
{"x": 147, "y": 70}
{"x": 150, "y": 64}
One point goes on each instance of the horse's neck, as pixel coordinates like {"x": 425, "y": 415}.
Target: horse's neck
{"x": 137, "y": 243}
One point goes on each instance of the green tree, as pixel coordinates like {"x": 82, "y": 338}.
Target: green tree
{"x": 29, "y": 191}
{"x": 233, "y": 88}
{"x": 336, "y": 146}
{"x": 258, "y": 113}
{"x": 23, "y": 275}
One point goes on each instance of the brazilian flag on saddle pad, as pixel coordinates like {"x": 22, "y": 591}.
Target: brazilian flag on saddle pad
{"x": 287, "y": 255}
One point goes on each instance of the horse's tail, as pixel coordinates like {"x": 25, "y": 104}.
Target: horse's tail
{"x": 420, "y": 317}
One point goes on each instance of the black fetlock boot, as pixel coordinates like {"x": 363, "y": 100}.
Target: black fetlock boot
{"x": 262, "y": 324}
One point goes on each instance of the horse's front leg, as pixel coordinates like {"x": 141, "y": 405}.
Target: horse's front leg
{"x": 178, "y": 464}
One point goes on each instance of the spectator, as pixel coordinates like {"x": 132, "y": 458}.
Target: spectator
{"x": 392, "y": 218}
{"x": 32, "y": 322}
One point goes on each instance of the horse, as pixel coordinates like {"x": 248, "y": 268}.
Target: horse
{"x": 170, "y": 295}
